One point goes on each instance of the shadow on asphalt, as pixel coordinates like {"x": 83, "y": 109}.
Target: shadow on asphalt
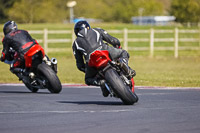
{"x": 92, "y": 102}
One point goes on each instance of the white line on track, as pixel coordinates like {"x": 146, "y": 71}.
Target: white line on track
{"x": 97, "y": 111}
{"x": 65, "y": 112}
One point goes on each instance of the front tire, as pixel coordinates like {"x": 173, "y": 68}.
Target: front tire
{"x": 53, "y": 84}
{"x": 119, "y": 88}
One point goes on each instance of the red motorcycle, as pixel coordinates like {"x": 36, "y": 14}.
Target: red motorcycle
{"x": 115, "y": 74}
{"x": 38, "y": 72}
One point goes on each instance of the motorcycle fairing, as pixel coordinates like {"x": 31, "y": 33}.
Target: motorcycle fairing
{"x": 32, "y": 51}
{"x": 99, "y": 59}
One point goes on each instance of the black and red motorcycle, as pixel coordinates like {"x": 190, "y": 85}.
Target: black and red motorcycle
{"x": 116, "y": 77}
{"x": 38, "y": 72}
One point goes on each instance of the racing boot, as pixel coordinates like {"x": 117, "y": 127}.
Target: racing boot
{"x": 104, "y": 90}
{"x": 101, "y": 83}
{"x": 123, "y": 63}
{"x": 17, "y": 72}
{"x": 132, "y": 73}
{"x": 20, "y": 73}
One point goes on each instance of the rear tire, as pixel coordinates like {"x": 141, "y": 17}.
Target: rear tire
{"x": 120, "y": 89}
{"x": 54, "y": 84}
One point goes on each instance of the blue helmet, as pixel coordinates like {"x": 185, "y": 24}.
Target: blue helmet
{"x": 81, "y": 25}
{"x": 9, "y": 26}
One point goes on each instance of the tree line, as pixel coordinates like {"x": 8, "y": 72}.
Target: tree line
{"x": 42, "y": 11}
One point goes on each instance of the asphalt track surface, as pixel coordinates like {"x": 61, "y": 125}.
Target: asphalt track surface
{"x": 82, "y": 109}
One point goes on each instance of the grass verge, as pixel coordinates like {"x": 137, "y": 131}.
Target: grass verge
{"x": 158, "y": 71}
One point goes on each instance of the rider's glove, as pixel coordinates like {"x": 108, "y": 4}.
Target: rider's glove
{"x": 2, "y": 57}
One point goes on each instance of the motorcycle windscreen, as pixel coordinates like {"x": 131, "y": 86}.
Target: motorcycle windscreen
{"x": 99, "y": 59}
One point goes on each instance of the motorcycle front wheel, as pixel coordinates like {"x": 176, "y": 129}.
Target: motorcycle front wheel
{"x": 53, "y": 82}
{"x": 119, "y": 88}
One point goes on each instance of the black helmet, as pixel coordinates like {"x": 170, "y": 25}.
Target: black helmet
{"x": 9, "y": 26}
{"x": 81, "y": 25}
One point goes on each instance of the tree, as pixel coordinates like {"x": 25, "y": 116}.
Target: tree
{"x": 5, "y": 5}
{"x": 24, "y": 11}
{"x": 91, "y": 9}
{"x": 116, "y": 10}
{"x": 37, "y": 11}
{"x": 186, "y": 10}
{"x": 124, "y": 10}
{"x": 34, "y": 11}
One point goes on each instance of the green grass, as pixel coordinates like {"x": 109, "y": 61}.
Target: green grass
{"x": 167, "y": 71}
{"x": 158, "y": 71}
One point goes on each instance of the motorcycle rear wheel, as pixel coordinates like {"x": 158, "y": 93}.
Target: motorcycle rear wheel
{"x": 119, "y": 88}
{"x": 53, "y": 84}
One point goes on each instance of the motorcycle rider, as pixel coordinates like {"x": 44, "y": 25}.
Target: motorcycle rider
{"x": 19, "y": 41}
{"x": 90, "y": 39}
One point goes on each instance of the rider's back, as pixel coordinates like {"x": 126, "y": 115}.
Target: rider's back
{"x": 19, "y": 40}
{"x": 88, "y": 40}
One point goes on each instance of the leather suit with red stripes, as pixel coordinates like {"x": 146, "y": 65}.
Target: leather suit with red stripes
{"x": 20, "y": 41}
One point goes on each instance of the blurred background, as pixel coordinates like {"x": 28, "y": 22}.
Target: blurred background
{"x": 48, "y": 11}
{"x": 162, "y": 36}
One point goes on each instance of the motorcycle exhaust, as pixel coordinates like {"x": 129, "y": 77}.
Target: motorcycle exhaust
{"x": 54, "y": 64}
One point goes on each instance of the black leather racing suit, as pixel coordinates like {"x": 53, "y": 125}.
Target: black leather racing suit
{"x": 20, "y": 41}
{"x": 89, "y": 40}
